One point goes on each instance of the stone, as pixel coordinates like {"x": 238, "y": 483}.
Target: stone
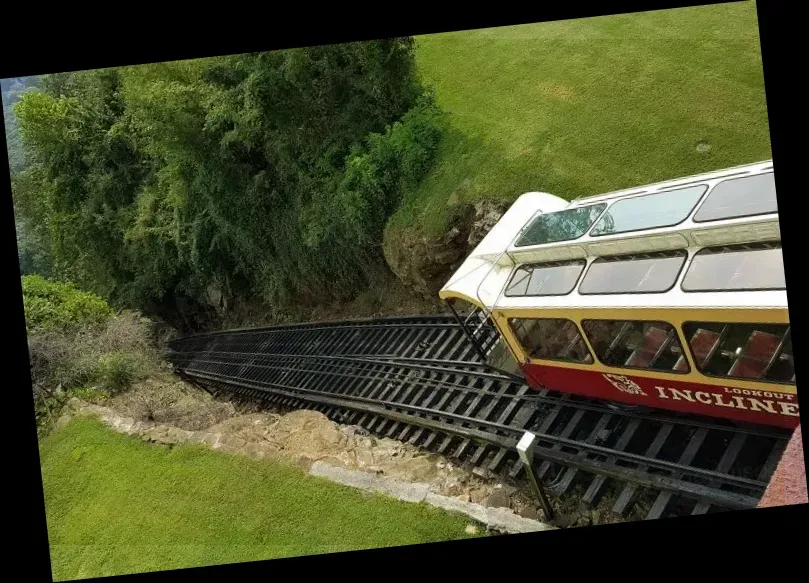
{"x": 463, "y": 497}
{"x": 497, "y": 499}
{"x": 254, "y": 450}
{"x": 178, "y": 435}
{"x": 233, "y": 442}
{"x": 364, "y": 458}
{"x": 529, "y": 512}
{"x": 211, "y": 439}
{"x": 452, "y": 234}
{"x": 487, "y": 214}
{"x": 477, "y": 495}
{"x": 63, "y": 420}
{"x": 509, "y": 490}
{"x": 447, "y": 256}
{"x": 504, "y": 520}
{"x": 304, "y": 463}
{"x": 564, "y": 520}
{"x": 596, "y": 516}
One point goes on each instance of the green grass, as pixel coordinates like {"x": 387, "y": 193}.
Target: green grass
{"x": 587, "y": 106}
{"x": 117, "y": 505}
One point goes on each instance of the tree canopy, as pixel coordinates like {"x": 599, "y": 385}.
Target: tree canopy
{"x": 266, "y": 175}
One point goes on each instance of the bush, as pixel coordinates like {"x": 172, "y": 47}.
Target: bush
{"x": 348, "y": 222}
{"x": 116, "y": 371}
{"x": 51, "y": 305}
{"x": 96, "y": 355}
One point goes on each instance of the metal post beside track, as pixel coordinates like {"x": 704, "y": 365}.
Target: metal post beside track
{"x": 525, "y": 449}
{"x": 466, "y": 331}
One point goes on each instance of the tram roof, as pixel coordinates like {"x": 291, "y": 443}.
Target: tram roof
{"x": 735, "y": 205}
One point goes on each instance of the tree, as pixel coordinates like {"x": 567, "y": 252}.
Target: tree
{"x": 266, "y": 174}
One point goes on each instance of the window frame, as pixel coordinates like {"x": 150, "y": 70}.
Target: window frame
{"x": 679, "y": 252}
{"x": 529, "y": 355}
{"x": 690, "y": 213}
{"x": 731, "y": 179}
{"x": 699, "y": 369}
{"x": 535, "y": 219}
{"x": 547, "y": 263}
{"x": 648, "y": 369}
{"x": 719, "y": 290}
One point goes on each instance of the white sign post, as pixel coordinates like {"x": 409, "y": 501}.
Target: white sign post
{"x": 525, "y": 449}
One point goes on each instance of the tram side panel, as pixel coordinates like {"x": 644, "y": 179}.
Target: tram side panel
{"x": 553, "y": 354}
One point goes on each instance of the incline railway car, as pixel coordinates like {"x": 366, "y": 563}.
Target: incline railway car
{"x": 669, "y": 296}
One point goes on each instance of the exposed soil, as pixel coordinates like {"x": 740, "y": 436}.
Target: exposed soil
{"x": 173, "y": 412}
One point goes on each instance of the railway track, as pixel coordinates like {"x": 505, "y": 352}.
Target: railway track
{"x": 420, "y": 379}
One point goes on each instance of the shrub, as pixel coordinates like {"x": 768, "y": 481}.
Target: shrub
{"x": 97, "y": 355}
{"x": 116, "y": 371}
{"x": 51, "y": 305}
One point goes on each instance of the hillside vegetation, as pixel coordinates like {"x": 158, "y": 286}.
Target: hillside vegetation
{"x": 79, "y": 346}
{"x": 267, "y": 176}
{"x": 292, "y": 178}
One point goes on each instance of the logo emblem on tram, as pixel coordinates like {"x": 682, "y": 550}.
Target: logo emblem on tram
{"x": 624, "y": 384}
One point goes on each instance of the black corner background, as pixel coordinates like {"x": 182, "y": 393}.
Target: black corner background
{"x": 133, "y": 34}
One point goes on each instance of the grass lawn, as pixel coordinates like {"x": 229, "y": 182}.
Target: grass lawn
{"x": 117, "y": 505}
{"x": 587, "y": 106}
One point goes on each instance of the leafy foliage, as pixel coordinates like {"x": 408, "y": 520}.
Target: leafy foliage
{"x": 101, "y": 357}
{"x": 116, "y": 371}
{"x": 60, "y": 306}
{"x": 265, "y": 175}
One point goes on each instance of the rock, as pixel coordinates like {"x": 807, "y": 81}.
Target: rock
{"x": 364, "y": 458}
{"x": 211, "y": 439}
{"x": 477, "y": 495}
{"x": 63, "y": 420}
{"x": 452, "y": 486}
{"x": 447, "y": 256}
{"x": 596, "y": 516}
{"x": 304, "y": 463}
{"x": 497, "y": 499}
{"x": 529, "y": 512}
{"x": 481, "y": 472}
{"x": 452, "y": 234}
{"x": 509, "y": 490}
{"x": 254, "y": 450}
{"x": 487, "y": 214}
{"x": 213, "y": 295}
{"x": 463, "y": 497}
{"x": 564, "y": 520}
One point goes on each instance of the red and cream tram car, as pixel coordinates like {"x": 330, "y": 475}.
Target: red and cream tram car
{"x": 670, "y": 296}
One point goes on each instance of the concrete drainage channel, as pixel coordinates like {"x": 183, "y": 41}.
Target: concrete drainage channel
{"x": 500, "y": 519}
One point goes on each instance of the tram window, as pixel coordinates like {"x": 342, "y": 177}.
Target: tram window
{"x": 640, "y": 273}
{"x": 739, "y": 197}
{"x": 551, "y": 338}
{"x": 747, "y": 351}
{"x": 636, "y": 344}
{"x": 734, "y": 268}
{"x": 650, "y": 211}
{"x": 545, "y": 279}
{"x": 563, "y": 225}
